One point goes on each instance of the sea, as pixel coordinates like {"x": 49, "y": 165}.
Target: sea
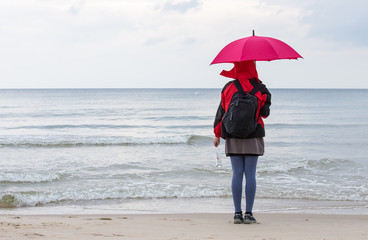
{"x": 121, "y": 151}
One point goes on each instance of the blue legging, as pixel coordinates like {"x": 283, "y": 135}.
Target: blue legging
{"x": 244, "y": 164}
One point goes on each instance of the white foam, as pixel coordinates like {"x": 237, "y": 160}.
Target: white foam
{"x": 68, "y": 140}
{"x": 29, "y": 176}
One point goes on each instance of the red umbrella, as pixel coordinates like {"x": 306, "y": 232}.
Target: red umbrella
{"x": 255, "y": 48}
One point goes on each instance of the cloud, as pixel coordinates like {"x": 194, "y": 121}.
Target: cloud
{"x": 94, "y": 43}
{"x": 153, "y": 41}
{"x": 190, "y": 41}
{"x": 76, "y": 7}
{"x": 180, "y": 6}
{"x": 339, "y": 21}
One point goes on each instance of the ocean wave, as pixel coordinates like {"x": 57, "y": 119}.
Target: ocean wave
{"x": 109, "y": 126}
{"x": 315, "y": 190}
{"x": 32, "y": 198}
{"x": 8, "y": 201}
{"x": 314, "y": 125}
{"x": 193, "y": 139}
{"x": 322, "y": 179}
{"x": 305, "y": 164}
{"x": 98, "y": 141}
{"x": 29, "y": 177}
{"x": 62, "y": 126}
{"x": 306, "y": 179}
{"x": 172, "y": 191}
{"x": 181, "y": 118}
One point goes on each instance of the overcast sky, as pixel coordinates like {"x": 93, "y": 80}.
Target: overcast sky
{"x": 163, "y": 43}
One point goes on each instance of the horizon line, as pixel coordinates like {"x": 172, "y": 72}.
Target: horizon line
{"x": 137, "y": 88}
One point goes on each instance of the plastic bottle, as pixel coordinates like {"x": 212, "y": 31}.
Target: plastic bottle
{"x": 218, "y": 158}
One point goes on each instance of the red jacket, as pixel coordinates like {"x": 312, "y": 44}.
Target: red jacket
{"x": 264, "y": 102}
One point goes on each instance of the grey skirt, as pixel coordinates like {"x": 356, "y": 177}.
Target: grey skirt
{"x": 235, "y": 146}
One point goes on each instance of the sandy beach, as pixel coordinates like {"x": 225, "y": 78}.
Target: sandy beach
{"x": 183, "y": 226}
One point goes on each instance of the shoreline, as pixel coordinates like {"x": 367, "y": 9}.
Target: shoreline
{"x": 270, "y": 226}
{"x": 192, "y": 205}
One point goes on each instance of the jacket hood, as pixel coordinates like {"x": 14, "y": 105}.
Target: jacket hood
{"x": 242, "y": 71}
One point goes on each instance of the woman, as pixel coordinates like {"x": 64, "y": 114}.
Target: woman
{"x": 243, "y": 152}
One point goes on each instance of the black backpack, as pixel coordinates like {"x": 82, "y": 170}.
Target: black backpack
{"x": 240, "y": 119}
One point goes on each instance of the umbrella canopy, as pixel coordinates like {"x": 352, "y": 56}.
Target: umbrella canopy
{"x": 255, "y": 48}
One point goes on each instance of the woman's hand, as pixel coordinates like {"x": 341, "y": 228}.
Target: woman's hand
{"x": 216, "y": 141}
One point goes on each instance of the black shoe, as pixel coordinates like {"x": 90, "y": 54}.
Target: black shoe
{"x": 238, "y": 218}
{"x": 249, "y": 219}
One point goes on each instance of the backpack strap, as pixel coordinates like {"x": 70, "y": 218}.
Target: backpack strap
{"x": 238, "y": 85}
{"x": 240, "y": 88}
{"x": 256, "y": 86}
